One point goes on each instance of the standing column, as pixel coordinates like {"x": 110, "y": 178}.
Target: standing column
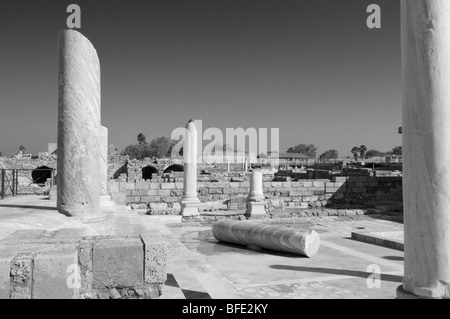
{"x": 79, "y": 186}
{"x": 426, "y": 148}
{"x": 189, "y": 201}
{"x": 105, "y": 200}
{"x": 256, "y": 201}
{"x": 103, "y": 171}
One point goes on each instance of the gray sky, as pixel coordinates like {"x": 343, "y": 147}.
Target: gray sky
{"x": 309, "y": 67}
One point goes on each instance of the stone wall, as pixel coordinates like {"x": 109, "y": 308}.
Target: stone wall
{"x": 164, "y": 195}
{"x": 39, "y": 264}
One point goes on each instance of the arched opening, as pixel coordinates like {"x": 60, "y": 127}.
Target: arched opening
{"x": 40, "y": 175}
{"x": 174, "y": 168}
{"x": 148, "y": 171}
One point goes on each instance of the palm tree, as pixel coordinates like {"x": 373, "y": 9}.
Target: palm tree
{"x": 141, "y": 139}
{"x": 362, "y": 151}
{"x": 355, "y": 151}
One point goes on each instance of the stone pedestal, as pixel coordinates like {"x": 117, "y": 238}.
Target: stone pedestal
{"x": 426, "y": 147}
{"x": 255, "y": 209}
{"x": 189, "y": 201}
{"x": 106, "y": 203}
{"x": 256, "y": 200}
{"x": 78, "y": 127}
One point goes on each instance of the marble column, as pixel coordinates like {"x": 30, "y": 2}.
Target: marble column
{"x": 259, "y": 235}
{"x": 256, "y": 201}
{"x": 103, "y": 170}
{"x": 79, "y": 187}
{"x": 189, "y": 201}
{"x": 426, "y": 148}
{"x": 105, "y": 199}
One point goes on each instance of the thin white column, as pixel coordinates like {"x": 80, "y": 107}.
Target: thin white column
{"x": 189, "y": 201}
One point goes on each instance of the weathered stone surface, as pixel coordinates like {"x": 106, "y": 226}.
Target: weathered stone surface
{"x": 78, "y": 126}
{"x": 426, "y": 146}
{"x": 56, "y": 275}
{"x": 155, "y": 254}
{"x": 276, "y": 238}
{"x": 21, "y": 276}
{"x": 255, "y": 209}
{"x": 5, "y": 268}
{"x": 118, "y": 263}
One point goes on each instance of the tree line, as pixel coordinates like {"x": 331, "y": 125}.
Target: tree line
{"x": 359, "y": 152}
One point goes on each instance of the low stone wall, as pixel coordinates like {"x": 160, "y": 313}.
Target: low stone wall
{"x": 38, "y": 264}
{"x": 164, "y": 197}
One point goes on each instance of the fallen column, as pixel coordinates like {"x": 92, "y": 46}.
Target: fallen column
{"x": 256, "y": 235}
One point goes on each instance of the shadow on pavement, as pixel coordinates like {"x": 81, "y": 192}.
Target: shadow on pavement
{"x": 343, "y": 272}
{"x": 28, "y": 207}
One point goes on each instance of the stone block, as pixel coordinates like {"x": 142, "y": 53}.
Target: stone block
{"x": 216, "y": 191}
{"x": 118, "y": 263}
{"x": 119, "y": 198}
{"x": 146, "y": 199}
{"x": 155, "y": 258}
{"x": 133, "y": 199}
{"x": 154, "y": 185}
{"x": 168, "y": 186}
{"x": 21, "y": 276}
{"x": 5, "y": 268}
{"x": 287, "y": 184}
{"x": 179, "y": 185}
{"x": 139, "y": 192}
{"x": 163, "y": 192}
{"x": 56, "y": 275}
{"x": 113, "y": 187}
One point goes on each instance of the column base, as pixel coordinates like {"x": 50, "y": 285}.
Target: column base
{"x": 190, "y": 208}
{"x": 90, "y": 218}
{"x": 106, "y": 203}
{"x": 402, "y": 294}
{"x": 255, "y": 209}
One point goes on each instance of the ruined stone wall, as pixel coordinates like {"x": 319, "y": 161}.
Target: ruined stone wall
{"x": 228, "y": 194}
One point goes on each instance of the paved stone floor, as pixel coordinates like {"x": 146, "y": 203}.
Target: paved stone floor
{"x": 200, "y": 267}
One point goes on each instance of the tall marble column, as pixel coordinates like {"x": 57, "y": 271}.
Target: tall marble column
{"x": 79, "y": 186}
{"x": 105, "y": 200}
{"x": 103, "y": 169}
{"x": 189, "y": 201}
{"x": 426, "y": 147}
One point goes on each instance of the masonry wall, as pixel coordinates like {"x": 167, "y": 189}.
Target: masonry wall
{"x": 362, "y": 190}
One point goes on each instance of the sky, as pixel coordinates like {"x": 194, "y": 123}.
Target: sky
{"x": 311, "y": 68}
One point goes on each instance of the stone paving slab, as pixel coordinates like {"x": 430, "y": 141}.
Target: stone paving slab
{"x": 200, "y": 267}
{"x": 390, "y": 239}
